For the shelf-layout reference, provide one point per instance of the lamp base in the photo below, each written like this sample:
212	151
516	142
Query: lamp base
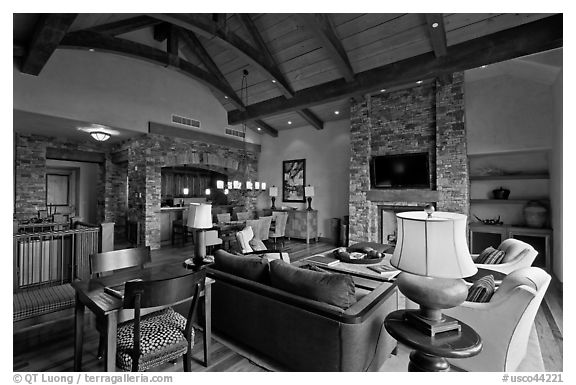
433	295
273	201
432	327
309	203
200	249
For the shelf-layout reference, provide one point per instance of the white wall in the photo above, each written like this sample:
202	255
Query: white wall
117	91
506	113
87	199
556	184
327	154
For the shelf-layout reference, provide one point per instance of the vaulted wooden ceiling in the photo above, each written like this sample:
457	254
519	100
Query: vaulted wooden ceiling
302	67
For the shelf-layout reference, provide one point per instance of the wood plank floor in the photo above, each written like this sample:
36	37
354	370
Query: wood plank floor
50	346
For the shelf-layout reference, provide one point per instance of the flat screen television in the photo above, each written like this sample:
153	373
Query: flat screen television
400	171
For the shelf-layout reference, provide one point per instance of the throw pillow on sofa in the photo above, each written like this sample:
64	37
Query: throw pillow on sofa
333	289
252	268
482	290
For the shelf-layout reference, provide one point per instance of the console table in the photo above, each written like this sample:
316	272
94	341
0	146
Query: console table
302	224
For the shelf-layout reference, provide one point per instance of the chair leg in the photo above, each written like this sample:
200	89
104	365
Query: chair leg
101	343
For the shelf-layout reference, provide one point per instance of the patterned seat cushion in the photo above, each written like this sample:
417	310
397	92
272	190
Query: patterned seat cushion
161	340
36	302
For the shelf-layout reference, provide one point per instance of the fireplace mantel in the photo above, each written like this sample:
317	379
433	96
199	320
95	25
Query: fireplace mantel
408	195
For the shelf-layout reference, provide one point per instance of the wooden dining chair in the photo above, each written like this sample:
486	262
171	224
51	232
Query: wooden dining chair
223	218
106	263
162	336
243	215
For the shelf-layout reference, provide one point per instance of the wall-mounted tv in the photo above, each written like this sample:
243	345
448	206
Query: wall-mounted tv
400	171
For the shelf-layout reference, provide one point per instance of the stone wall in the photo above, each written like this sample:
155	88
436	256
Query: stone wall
427	118
30	174
148	154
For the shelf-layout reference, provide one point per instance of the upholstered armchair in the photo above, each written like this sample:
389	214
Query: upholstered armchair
518	254
505	322
251	245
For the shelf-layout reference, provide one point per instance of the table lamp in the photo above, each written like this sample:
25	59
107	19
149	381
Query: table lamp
432	253
273	195
200	218
309	193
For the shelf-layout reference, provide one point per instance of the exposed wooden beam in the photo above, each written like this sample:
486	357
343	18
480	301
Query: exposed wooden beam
49	31
537	36
321	26
124	26
264	127
92	40
191	45
205	27
75	155
312	119
249	25
178	132
435	24
172	46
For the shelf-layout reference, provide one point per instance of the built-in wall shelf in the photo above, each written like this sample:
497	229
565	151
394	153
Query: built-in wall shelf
506	201
510	177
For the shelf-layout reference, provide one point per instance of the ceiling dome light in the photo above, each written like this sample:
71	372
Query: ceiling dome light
289	122
336	112
419	82
434	25
100	136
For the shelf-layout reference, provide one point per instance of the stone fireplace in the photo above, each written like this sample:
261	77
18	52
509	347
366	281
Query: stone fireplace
427	118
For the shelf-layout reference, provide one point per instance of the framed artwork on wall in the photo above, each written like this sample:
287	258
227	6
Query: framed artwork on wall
293	180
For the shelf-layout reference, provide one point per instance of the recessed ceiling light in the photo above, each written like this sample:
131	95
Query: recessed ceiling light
259	129
483	67
273	80
434	25
419	82
225	97
91	50
336	112
289	122
383	90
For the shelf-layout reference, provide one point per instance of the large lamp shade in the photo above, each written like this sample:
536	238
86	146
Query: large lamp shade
200	216
433	246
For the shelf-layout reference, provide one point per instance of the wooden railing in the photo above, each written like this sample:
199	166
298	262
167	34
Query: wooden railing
53	258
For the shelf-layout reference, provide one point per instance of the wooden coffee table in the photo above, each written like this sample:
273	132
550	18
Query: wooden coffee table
362	275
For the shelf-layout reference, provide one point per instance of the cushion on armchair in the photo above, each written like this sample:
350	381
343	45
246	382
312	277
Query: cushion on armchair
334	289
482	290
490	256
243	237
257	244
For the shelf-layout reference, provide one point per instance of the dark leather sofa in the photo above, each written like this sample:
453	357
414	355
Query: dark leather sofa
300	334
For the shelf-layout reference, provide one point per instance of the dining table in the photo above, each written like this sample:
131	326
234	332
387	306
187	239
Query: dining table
91	294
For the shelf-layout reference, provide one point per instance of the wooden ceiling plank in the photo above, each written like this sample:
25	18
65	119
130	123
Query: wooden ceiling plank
124	26
322	28
48	33
537	36
203	27
437	31
311	118
270	61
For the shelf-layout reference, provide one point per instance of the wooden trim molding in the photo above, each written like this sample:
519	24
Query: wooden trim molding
75	155
177	132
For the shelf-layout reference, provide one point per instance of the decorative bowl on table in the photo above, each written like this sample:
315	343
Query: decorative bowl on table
365	256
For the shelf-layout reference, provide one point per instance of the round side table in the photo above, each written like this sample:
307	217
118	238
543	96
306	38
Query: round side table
430	353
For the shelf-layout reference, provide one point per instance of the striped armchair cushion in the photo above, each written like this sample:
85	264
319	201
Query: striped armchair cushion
490	256
482	290
36	302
